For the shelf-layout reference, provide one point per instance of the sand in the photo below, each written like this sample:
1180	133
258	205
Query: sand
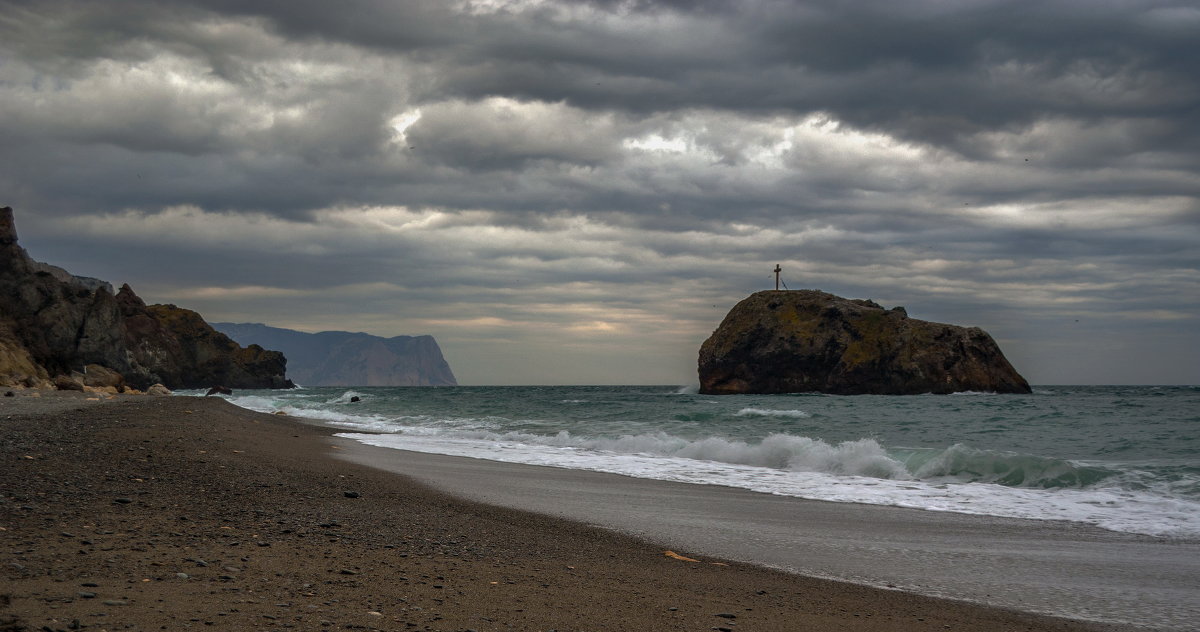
1053	567
175	513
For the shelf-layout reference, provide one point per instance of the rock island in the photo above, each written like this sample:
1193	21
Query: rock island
801	341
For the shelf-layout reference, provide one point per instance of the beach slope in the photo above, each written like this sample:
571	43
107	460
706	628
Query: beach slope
174	513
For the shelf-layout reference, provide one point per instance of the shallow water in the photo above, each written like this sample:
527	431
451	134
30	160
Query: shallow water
1126	459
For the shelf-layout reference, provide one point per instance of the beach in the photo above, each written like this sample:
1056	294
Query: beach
172	513
1048	566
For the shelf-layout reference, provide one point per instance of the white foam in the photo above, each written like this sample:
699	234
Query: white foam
766	412
346	398
1113	509
261	403
957	478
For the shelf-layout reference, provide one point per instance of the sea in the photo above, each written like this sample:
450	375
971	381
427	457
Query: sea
1123	458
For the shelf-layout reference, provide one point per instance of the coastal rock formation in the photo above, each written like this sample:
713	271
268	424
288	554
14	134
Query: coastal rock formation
54	324
341	358
811	341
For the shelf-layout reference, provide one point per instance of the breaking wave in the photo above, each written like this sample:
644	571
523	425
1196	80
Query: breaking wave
346	398
765	412
835	449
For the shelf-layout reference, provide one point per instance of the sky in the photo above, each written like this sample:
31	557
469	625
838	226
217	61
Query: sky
577	192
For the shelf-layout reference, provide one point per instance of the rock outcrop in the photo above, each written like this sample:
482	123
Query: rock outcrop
341	358
811	341
55	324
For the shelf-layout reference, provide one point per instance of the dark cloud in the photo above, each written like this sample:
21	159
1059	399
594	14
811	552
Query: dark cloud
599	174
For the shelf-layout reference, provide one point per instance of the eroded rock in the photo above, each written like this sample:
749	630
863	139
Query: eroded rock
53	324
811	341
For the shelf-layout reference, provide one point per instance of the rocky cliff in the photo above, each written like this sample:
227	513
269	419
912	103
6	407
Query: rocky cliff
341	358
810	341
55	324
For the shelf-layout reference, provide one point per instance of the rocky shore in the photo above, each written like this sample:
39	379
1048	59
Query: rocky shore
141	512
59	330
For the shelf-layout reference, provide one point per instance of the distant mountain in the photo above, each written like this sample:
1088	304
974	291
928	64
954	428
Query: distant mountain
342	358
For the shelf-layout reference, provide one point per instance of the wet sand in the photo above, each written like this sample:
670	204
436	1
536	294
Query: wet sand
180	513
1052	567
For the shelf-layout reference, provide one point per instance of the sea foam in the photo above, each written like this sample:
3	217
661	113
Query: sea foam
1115	509
766	412
835	448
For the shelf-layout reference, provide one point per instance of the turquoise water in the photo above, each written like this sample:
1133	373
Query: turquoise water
1123	458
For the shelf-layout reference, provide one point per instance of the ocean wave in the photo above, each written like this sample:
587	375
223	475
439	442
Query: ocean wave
851	480
965	464
1069	455
260	403
779	451
765	412
863	457
347	397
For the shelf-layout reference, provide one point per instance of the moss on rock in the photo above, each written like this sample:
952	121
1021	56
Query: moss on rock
813	341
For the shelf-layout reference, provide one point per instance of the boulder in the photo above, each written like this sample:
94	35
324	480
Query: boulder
67	383
99	376
811	341
158	389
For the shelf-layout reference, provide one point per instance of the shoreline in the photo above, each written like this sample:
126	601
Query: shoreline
1067	569
143	512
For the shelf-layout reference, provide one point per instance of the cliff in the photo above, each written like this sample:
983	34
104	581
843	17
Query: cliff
341	358
54	324
811	341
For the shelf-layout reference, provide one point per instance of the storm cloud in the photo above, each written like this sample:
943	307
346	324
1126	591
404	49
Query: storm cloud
578	191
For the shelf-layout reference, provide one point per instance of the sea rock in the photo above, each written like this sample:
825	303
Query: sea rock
53	323
158	389
219	390
342	358
811	341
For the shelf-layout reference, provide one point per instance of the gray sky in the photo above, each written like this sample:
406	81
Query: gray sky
577	192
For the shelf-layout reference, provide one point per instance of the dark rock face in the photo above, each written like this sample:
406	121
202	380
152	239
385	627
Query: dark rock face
53	323
811	341
175	347
341	358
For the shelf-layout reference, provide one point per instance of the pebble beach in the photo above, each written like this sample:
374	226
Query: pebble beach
167	513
